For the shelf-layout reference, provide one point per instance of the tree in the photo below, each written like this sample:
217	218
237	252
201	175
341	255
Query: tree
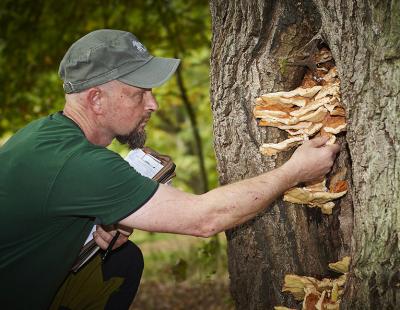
257	47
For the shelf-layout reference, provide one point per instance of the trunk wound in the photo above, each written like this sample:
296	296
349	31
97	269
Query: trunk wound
313	109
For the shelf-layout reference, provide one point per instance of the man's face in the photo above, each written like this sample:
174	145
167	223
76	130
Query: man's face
131	110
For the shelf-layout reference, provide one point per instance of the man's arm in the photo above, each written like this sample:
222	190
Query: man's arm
171	210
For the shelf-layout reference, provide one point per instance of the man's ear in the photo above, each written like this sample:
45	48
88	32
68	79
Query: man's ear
95	99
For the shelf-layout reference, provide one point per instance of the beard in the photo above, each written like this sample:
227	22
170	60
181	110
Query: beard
135	139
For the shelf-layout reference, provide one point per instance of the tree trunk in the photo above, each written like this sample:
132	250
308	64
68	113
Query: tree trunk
253	43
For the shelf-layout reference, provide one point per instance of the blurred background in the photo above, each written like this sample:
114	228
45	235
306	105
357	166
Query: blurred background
180	272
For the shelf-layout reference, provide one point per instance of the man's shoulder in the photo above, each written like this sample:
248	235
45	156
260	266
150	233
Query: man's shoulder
92	157
48	129
55	141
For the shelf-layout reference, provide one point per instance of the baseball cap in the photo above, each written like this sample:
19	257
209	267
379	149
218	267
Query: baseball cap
105	55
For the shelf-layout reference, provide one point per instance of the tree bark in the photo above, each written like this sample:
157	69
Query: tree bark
253	43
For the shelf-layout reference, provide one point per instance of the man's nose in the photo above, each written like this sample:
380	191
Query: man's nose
151	102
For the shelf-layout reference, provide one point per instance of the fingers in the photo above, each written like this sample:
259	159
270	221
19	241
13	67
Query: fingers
331	152
313	159
103	244
103	238
334	148
104	234
126	231
318	141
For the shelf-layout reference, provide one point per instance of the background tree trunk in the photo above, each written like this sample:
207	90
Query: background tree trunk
253	43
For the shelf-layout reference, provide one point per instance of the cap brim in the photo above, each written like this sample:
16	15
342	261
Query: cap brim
152	74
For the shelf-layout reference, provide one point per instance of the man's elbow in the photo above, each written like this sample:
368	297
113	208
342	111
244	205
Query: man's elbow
208	229
209	221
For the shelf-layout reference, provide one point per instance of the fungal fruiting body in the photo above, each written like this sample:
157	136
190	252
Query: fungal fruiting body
310	110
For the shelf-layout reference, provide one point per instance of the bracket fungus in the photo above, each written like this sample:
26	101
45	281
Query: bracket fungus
312	109
341	266
322	294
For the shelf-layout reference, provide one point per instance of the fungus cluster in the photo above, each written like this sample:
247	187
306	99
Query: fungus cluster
322	294
312	109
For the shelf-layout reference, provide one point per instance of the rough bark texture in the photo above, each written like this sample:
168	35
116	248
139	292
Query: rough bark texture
365	40
253	49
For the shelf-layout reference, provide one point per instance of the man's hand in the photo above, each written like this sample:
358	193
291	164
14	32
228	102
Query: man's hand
104	234
313	160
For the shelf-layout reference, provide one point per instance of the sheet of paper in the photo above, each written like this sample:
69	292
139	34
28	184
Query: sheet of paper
144	163
90	237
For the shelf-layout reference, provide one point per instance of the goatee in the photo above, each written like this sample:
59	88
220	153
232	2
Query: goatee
136	139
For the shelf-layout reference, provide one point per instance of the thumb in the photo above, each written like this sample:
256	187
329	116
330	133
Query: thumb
318	141
126	231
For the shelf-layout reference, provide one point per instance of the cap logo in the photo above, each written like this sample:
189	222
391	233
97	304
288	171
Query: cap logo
139	46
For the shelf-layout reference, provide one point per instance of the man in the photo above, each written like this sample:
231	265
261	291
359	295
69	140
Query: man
58	178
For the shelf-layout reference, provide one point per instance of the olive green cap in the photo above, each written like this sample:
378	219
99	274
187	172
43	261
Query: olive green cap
105	55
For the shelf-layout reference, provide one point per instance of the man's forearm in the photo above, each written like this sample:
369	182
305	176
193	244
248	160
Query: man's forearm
171	210
237	203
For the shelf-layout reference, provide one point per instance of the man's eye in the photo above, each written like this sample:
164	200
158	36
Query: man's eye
135	97
138	96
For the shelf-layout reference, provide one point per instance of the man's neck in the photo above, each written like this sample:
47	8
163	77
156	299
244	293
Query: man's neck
92	131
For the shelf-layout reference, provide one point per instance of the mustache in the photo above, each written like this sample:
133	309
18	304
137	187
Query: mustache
147	117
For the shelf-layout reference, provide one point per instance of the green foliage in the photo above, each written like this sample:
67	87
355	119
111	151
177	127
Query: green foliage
180	270
172	258
34	35
210	253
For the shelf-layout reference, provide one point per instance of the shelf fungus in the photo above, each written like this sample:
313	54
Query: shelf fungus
312	109
322	294
341	266
317	195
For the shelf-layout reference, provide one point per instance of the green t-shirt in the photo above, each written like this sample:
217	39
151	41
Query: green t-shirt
54	184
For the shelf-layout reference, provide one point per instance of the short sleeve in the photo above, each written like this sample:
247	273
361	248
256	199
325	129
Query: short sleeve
98	183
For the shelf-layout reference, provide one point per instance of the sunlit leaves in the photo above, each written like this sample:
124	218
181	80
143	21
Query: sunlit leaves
34	35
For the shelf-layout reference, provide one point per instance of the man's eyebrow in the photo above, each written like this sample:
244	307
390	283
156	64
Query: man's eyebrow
130	92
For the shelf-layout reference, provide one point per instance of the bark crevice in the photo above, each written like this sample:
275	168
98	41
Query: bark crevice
252	40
